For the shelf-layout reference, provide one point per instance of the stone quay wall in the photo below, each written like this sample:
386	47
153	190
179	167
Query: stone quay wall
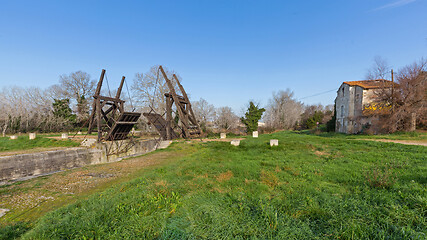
24	166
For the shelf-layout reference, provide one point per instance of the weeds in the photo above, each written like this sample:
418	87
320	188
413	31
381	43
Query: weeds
13	231
381	176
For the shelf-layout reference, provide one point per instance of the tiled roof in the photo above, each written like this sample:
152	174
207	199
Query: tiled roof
370	84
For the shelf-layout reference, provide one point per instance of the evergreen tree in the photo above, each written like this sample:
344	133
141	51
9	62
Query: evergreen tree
312	121
330	125
61	109
252	116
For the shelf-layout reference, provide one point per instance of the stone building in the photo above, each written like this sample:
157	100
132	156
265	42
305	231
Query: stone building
356	104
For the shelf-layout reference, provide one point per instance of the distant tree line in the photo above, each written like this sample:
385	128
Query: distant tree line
66	105
57	108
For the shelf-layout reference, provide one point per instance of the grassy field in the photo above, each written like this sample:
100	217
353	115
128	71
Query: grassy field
309	187
24	143
416	136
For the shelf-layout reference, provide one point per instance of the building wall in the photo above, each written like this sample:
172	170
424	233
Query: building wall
368	95
343	107
350	103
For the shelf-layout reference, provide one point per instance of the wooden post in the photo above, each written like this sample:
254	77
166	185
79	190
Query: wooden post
94	105
392	90
168	118
413	123
117	105
98	118
119	91
176	100
189	108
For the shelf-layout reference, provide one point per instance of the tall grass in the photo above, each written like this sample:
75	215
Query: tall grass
309	187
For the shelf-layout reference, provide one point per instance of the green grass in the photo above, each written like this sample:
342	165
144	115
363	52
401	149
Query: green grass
14	231
417	136
309	187
24	143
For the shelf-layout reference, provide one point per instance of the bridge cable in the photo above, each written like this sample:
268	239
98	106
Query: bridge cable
130	99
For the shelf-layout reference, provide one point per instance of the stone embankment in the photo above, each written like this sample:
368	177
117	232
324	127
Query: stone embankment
24	166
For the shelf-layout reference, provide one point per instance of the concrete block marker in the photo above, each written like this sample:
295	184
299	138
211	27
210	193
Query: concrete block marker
79	133
88	142
223	135
235	142
164	144
13	137
274	142
3	211
64	136
255	134
32	136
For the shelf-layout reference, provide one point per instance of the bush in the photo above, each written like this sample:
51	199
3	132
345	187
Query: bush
312	121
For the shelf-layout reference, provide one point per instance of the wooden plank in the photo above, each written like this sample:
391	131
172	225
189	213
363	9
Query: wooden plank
161	125
127	123
110	99
121	127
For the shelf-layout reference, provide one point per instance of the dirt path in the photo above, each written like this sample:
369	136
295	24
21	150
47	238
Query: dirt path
218	139
30	199
406	142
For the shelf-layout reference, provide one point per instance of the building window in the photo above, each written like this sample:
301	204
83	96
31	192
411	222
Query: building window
342	111
342	91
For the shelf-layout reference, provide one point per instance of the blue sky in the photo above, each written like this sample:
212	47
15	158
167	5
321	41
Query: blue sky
227	52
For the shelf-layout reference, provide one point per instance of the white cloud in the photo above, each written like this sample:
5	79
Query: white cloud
395	4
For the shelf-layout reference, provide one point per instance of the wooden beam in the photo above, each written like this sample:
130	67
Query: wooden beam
176	99
98	119
127	123
184	94
97	92
110	99
168	118
119	90
107	120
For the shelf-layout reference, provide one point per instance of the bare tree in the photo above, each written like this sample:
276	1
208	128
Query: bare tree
24	109
5	110
309	110
407	101
283	110
79	86
379	70
56	92
149	89
226	119
204	112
